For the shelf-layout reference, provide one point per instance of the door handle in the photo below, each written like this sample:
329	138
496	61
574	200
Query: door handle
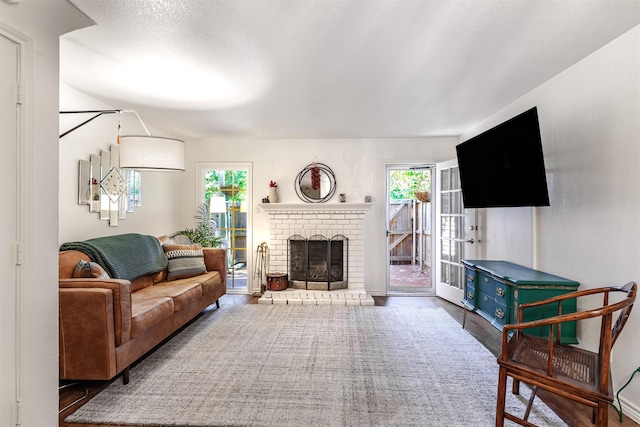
460	240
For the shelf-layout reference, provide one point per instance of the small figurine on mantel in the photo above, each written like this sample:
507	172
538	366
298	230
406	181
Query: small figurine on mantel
273	192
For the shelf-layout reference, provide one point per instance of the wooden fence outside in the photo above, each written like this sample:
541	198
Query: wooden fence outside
410	233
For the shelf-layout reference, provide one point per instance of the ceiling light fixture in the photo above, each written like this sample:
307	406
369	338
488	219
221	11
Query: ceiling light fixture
141	152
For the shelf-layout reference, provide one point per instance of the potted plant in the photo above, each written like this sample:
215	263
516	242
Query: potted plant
204	232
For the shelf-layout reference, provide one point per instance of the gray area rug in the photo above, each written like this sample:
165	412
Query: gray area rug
259	365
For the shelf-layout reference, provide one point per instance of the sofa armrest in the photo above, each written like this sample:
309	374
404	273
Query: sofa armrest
121	305
86	335
216	260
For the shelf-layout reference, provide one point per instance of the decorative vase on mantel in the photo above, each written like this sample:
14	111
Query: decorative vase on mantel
273	194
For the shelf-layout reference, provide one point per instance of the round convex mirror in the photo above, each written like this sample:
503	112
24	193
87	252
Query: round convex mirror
316	183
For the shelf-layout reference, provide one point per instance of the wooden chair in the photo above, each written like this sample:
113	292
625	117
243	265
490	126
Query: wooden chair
568	371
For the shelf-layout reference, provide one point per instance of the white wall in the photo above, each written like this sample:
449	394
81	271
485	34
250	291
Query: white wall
359	166
159	211
591	128
39	24
590	124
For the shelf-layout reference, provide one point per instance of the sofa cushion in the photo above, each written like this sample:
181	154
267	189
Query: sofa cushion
209	281
182	291
88	269
184	261
148	311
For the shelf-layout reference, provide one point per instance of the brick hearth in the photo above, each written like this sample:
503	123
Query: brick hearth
299	297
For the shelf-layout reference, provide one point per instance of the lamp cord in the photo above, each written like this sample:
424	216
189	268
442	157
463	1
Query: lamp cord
619	407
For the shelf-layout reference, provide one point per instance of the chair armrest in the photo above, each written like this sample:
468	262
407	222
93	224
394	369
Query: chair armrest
575	294
555	320
121	305
215	259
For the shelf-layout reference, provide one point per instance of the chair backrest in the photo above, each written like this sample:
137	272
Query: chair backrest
630	289
609	333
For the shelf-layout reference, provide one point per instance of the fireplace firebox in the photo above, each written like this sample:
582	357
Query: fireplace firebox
318	262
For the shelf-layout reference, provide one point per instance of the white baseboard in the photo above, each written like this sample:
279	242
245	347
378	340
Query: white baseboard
629	409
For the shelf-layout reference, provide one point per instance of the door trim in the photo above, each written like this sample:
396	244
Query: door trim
13	306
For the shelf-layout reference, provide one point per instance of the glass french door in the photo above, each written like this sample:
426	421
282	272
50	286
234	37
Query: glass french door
456	232
224	187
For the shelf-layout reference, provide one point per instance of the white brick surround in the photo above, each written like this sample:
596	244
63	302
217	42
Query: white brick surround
327	219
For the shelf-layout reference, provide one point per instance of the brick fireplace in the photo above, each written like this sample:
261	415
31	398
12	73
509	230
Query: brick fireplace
312	219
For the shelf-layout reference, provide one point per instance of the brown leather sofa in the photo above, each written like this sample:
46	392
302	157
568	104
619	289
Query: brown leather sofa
107	324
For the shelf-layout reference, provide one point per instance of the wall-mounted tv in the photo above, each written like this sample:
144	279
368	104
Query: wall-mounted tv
504	166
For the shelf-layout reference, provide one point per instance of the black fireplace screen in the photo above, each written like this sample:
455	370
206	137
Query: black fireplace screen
318	260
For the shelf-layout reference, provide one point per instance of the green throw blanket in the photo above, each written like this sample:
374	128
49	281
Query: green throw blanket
125	256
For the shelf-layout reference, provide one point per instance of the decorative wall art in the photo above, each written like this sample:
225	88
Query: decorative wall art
102	185
316	183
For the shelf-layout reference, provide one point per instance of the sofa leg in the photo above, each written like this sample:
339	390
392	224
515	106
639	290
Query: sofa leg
125	376
217	303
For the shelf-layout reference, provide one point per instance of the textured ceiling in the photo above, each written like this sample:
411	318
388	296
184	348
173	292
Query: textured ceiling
329	69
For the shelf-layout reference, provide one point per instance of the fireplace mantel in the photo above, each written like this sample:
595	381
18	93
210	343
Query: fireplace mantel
315	207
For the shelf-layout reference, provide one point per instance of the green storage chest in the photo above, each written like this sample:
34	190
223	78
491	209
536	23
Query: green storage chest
495	290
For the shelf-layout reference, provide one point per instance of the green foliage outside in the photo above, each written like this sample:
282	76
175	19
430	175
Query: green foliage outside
404	183
233	184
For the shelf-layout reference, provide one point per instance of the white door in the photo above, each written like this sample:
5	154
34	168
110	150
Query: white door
456	233
409	230
9	143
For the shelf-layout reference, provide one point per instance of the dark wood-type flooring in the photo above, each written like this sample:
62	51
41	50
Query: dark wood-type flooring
575	415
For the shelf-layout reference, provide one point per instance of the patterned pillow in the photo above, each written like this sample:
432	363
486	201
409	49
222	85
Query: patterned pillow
184	261
86	269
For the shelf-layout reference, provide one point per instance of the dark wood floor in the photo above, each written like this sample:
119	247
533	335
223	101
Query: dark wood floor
74	395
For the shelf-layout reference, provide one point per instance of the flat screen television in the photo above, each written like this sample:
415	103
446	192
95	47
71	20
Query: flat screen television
504	166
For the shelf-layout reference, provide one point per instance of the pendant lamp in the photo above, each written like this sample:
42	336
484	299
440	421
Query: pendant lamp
141	152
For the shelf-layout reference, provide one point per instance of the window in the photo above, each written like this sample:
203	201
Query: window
133	178
452	220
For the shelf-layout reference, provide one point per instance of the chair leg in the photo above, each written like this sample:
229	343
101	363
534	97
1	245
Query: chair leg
217	303
125	376
515	387
502	396
530	404
464	317
602	414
